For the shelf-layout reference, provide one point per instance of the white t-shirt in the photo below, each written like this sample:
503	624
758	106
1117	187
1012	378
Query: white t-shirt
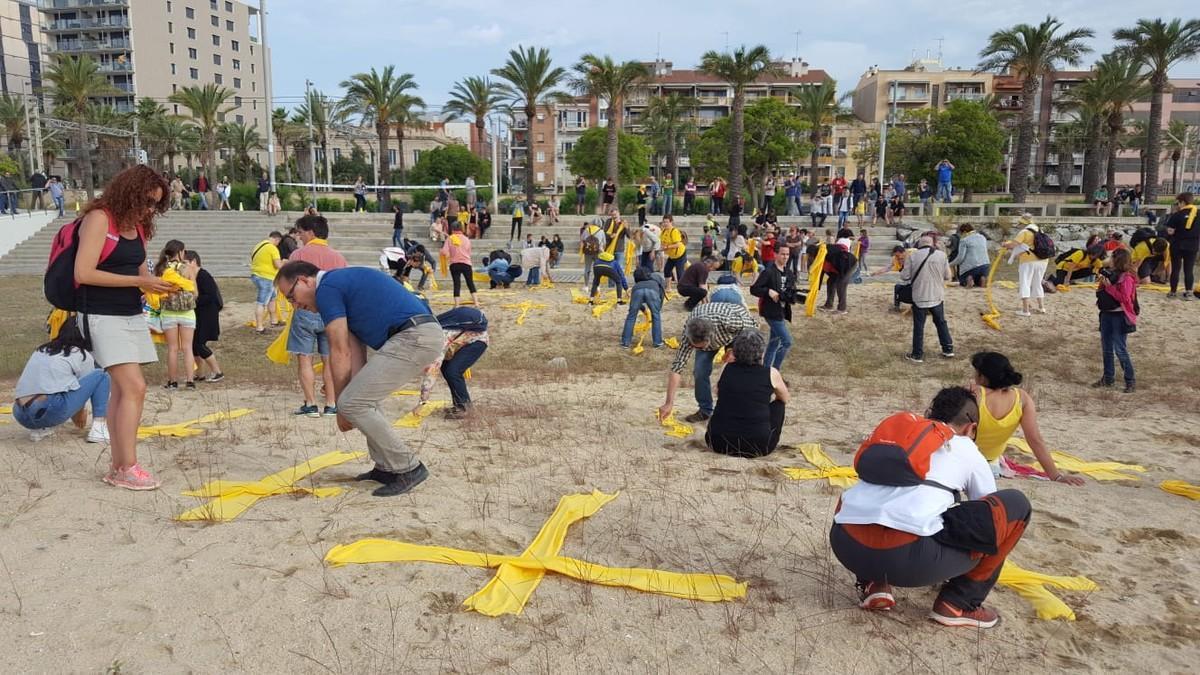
535	256
918	509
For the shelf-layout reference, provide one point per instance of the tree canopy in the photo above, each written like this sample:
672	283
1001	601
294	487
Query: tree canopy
455	162
964	132
774	133
588	157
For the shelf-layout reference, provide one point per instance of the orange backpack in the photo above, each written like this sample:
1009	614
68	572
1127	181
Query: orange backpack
898	451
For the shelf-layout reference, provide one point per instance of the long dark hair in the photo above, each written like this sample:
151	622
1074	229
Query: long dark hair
169	252
996	369
69	339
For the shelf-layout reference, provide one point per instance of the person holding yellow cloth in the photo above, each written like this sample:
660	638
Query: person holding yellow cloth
177	312
265	261
1031	269
1004	406
674	246
1078	264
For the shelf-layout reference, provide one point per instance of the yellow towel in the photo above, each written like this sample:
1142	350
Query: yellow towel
815	275
229	499
839	476
412	420
1097	470
406	392
1032	587
5	409
675	428
184	429
519	576
672	342
1178	487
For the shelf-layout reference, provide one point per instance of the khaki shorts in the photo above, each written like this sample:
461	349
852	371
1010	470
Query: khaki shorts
120	339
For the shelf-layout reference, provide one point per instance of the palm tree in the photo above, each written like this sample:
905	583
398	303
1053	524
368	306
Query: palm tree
206	104
1178	138
407	115
169	134
1066	140
820	107
530	80
113	153
74	81
284	132
325	114
1030	52
738	69
669	120
1129	84
375	97
147	110
612	82
1090	102
1158	45
241	141
474	97
12	118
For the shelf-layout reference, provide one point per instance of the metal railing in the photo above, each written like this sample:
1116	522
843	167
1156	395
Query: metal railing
79	4
964	95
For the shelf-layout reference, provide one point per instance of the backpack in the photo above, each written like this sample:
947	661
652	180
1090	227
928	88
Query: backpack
1043	245
1140	235
463	319
898	452
707	242
591	243
59	283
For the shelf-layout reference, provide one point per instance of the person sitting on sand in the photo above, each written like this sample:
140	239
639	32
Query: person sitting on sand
58	381
1003	406
1078	265
693	285
897	528
751	400
1152	260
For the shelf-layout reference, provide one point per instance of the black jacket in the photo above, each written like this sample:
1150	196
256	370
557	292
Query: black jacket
1184	239
38	180
773	279
208	307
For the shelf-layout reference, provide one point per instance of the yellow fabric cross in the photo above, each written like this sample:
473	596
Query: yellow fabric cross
1178	487
1032	587
525	308
815	273
184	429
675	428
840	476
518	576
412	420
230	499
991	318
1097	470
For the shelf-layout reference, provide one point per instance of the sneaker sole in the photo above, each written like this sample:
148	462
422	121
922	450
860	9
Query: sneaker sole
94	439
879	602
961	621
138	488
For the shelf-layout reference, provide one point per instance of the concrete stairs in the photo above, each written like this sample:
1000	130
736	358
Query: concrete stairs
225	239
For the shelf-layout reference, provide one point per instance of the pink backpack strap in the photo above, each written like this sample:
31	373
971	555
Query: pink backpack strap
113	237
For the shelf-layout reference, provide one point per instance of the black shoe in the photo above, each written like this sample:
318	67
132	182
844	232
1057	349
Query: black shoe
1130	388
1101	384
171	385
216	377
403	482
378	475
698	416
189	384
456	413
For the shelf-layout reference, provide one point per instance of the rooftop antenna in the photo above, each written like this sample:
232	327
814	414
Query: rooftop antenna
658	47
726	34
797	34
940	41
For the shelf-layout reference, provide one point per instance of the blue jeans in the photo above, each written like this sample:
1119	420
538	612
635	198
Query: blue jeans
938	312
535	276
650	299
618	262
58	202
398	238
668	203
778	345
1112	341
943	192
58	408
702	372
454	369
203	201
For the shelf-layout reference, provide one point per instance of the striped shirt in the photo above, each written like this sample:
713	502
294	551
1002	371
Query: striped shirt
728	319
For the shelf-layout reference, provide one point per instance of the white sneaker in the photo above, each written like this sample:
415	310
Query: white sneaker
36	435
98	433
1022	312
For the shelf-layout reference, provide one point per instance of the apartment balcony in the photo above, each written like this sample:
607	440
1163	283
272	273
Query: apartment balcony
76	25
82	4
1051	179
1009	104
520	124
964	96
706	122
84	46
573	128
639	98
1062	117
116	67
1076	159
715	100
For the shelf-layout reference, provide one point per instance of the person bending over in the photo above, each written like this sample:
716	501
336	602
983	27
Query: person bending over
751	399
648	291
606	266
694	283
466	340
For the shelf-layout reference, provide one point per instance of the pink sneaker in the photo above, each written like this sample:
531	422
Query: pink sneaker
133	478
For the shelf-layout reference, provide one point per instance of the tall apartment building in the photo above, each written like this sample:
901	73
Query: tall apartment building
151	49
533	140
21	60
925	84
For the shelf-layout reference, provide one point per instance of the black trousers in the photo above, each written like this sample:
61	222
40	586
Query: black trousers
748	443
460	271
1183	261
694	294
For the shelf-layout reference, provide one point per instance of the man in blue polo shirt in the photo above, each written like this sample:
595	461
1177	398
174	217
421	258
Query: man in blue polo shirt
364	308
945	177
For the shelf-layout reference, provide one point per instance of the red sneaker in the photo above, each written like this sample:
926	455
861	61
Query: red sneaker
949	615
876	595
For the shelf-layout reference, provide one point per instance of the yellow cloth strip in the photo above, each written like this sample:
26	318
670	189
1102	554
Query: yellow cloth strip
277	351
184	429
815	274
675	428
1178	487
406	392
5	409
1006	284
55	321
840	476
525	308
604	308
412	420
672	342
519	576
481	276
991	318
230	499
1097	470
1032	587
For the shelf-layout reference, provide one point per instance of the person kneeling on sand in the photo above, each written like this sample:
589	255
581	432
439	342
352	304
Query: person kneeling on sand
58	381
364	308
902	523
751	399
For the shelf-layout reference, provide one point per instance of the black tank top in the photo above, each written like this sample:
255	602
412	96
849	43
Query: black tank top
743	396
127	259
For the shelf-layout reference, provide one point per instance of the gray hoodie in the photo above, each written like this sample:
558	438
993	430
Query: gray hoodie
972	252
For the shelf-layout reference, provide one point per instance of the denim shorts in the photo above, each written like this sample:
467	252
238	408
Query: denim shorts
307	334
265	288
171	319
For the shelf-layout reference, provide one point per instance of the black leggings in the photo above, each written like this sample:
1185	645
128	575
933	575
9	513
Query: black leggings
200	347
737	445
460	271
515	228
1184	261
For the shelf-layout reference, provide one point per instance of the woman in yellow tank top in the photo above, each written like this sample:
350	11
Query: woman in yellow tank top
1004	406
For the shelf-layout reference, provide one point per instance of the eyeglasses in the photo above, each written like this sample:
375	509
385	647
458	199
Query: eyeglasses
290	291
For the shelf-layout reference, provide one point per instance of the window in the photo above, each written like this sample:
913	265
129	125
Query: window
190	13
217	78
213	4
172	68
191	33
168	6
337	154
239	119
176	106
252	86
216	59
540	157
541	176
229	25
228	6
175	88
170	27
237	65
216	40
392	156
416	157
171	47
541	138
251	67
541	116
216	21
237	101
192	53
237	83
233	44
193	73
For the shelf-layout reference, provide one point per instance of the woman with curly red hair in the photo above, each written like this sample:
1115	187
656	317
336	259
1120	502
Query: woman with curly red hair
111	305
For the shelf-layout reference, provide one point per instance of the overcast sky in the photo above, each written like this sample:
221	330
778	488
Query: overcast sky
441	42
